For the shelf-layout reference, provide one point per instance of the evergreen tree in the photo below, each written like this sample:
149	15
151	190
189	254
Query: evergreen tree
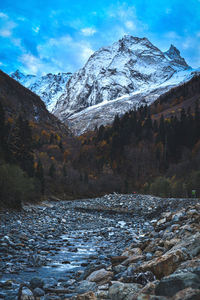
2	128
40	175
52	170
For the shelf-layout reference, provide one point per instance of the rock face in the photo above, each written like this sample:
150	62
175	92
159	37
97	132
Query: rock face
174	54
117	78
49	87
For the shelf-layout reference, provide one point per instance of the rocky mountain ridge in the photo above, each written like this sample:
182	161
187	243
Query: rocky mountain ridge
49	87
118	78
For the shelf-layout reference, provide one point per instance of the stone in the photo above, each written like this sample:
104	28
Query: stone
191	245
123	291
170	285
36	282
27	294
37	292
164	265
168	244
187	294
100	276
148	297
132	251
149	288
115	260
86	296
161	222
86	286
131	259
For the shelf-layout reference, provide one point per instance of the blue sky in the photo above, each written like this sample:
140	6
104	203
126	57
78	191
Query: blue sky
42	36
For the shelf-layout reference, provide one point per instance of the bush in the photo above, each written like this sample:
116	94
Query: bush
15	187
160	187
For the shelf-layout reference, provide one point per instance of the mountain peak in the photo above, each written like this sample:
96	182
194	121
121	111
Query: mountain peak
174	54
49	87
17	74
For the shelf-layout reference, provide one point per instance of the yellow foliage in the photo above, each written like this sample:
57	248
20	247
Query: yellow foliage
10	120
66	154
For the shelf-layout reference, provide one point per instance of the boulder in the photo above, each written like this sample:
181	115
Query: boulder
37	292
123	291
187	294
170	285
100	276
27	294
36	282
86	286
164	265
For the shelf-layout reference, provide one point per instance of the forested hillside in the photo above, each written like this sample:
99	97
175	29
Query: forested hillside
154	149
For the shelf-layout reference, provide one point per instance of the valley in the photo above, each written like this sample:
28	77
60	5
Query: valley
52	249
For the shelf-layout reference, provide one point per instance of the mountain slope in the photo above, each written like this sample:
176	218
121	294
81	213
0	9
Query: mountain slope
49	87
18	100
117	78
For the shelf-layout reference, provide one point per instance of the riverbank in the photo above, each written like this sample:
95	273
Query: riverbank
77	247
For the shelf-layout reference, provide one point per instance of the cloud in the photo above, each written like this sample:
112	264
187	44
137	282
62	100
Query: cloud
36	29
89	31
3	16
130	25
7	28
31	63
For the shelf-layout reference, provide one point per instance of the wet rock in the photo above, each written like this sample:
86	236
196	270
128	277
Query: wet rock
37	292
27	294
36	282
6	285
170	285
100	276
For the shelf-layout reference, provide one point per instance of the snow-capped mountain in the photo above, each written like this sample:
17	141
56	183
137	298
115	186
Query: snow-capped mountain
49	87
128	65
118	78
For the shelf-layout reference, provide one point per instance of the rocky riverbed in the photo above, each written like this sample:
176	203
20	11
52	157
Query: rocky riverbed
118	247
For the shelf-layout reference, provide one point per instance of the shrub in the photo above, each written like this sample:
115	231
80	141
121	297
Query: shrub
15	187
160	187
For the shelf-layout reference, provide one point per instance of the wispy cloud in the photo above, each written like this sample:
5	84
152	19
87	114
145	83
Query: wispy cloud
88	31
6	28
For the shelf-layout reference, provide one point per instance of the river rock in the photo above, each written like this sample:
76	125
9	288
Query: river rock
170	285
100	276
37	292
36	282
187	294
164	265
86	296
27	294
123	291
85	286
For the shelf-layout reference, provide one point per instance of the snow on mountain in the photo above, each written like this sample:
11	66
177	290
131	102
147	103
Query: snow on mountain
128	65
117	78
49	87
